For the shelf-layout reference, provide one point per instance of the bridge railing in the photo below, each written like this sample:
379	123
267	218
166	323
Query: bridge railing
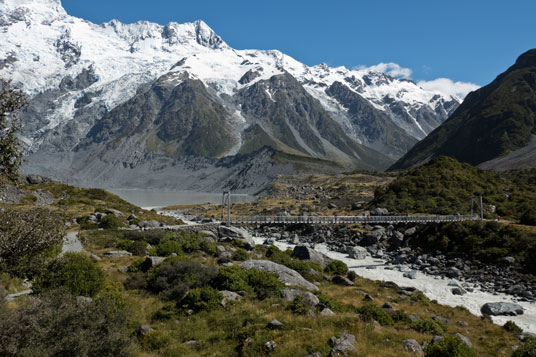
349	219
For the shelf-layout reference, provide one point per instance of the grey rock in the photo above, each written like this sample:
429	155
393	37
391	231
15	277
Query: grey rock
95	257
501	308
436	339
341	280
410	274
387	305
342	344
327	312
305	253
151	262
192	343
413	346
357	252
269	346
118	254
465	339
11	297
509	260
143	330
307	297
411	231
149	224
441	320
229	296
286	275
368	297
36	179
230	233
458	291
115	212
275	325
462	323
379	212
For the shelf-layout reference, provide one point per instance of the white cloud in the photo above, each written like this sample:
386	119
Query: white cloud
448	86
391	69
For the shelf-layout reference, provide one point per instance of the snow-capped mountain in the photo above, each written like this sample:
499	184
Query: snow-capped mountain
127	93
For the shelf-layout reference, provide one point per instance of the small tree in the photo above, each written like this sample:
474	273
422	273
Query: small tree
11	100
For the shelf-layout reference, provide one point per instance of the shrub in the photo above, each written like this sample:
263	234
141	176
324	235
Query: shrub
154	341
400	316
297	306
112	293
336	267
205	298
59	324
351	275
449	346
168	247
528	217
110	221
137	265
262	284
173	278
76	272
28	239
511	326
528	349
427	325
135	281
240	255
371	312
184	243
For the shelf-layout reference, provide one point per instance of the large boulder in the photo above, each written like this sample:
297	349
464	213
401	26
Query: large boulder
413	346
340	345
305	253
230	233
501	308
286	275
357	252
307	298
341	280
118	254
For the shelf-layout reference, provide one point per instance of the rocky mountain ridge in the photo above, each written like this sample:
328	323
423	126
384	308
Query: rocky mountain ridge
92	86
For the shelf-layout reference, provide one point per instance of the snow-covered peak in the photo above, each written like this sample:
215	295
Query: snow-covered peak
31	10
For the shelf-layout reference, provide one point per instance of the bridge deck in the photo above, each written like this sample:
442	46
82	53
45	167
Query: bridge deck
348	219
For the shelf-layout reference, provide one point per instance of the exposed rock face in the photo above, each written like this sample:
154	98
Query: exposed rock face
501	308
286	275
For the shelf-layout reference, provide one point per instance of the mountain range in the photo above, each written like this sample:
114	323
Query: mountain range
494	127
173	106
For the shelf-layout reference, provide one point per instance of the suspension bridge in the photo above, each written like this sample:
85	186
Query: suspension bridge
363	219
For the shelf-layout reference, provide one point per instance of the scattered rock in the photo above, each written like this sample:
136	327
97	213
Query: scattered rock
151	262
387	305
307	297
17	295
413	346
118	254
341	280
229	296
327	312
305	253
458	291
270	346
286	275
368	297
275	325
149	224
357	252
501	308
441	320
95	257
115	212
192	343
342	344
230	233
143	330
410	274
465	339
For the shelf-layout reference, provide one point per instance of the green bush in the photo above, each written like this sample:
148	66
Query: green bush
427	325
28	239
76	272
184	243
511	326
136	281
400	316
154	341
205	298
262	284
371	312
137	265
110	221
449	346
527	349
528	217
336	267
112	293
352	275
59	324
240	255
173	278
298	307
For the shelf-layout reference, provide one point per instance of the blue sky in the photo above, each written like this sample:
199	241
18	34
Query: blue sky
468	41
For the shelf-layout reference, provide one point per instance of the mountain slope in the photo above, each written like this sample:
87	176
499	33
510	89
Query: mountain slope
491	122
98	90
